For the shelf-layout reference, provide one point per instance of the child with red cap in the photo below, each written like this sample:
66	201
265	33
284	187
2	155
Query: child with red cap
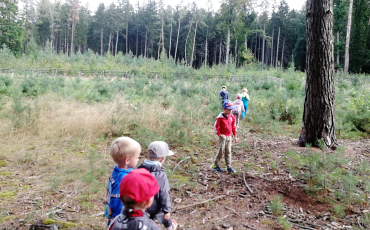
137	190
225	128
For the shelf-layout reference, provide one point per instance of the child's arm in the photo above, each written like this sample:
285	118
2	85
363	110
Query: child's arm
164	194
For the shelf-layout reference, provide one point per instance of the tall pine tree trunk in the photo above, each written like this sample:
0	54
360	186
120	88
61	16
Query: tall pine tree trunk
282	55
263	45
338	49
169	46
127	36
227	44
272	48
219	57
177	40
110	39
318	114
348	36
115	53
192	49
101	42
277	49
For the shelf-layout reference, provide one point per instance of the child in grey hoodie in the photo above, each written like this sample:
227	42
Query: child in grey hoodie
161	207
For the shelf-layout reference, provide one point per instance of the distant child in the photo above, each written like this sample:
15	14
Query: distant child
225	128
245	100
161	207
125	152
223	95
239	108
137	192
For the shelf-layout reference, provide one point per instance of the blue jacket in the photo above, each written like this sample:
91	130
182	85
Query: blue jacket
114	204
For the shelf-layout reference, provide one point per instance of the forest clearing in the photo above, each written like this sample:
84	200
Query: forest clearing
56	130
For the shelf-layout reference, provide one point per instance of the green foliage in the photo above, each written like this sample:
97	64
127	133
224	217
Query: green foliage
276	205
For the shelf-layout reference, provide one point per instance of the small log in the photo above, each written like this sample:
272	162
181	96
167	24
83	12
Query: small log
250	227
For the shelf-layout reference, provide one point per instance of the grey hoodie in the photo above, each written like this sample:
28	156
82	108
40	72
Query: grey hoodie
162	202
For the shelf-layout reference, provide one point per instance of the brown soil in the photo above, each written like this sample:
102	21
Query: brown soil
210	200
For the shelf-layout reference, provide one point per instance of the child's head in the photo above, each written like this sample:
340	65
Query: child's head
223	87
245	90
228	107
158	150
125	150
137	189
238	96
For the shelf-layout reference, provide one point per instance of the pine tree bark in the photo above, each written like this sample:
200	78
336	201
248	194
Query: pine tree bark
318	114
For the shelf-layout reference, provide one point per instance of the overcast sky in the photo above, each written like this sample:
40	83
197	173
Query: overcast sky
93	4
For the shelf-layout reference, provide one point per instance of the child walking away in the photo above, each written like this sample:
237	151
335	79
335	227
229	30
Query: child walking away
245	100
125	153
161	207
223	95
137	192
239	108
225	128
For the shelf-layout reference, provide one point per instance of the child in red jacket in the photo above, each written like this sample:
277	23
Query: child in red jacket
225	129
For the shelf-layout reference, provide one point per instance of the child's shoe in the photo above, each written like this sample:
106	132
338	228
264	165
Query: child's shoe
174	225
216	168
231	170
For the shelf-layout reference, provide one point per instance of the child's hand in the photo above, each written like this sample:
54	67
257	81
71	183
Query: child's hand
167	216
236	140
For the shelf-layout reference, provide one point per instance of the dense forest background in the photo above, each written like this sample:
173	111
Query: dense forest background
240	32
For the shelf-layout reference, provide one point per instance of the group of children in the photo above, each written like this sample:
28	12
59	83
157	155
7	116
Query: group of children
136	197
226	126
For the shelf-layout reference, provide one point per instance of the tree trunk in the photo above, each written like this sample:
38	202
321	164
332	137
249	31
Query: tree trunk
137	43
186	43
219	57
177	40
263	45
169	47
318	114
101	41
146	41
272	48
236	52
192	49
127	37
110	39
206	50
115	53
348	36
338	49
282	55
277	49
227	45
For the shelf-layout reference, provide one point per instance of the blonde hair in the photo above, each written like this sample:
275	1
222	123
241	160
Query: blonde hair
245	90
124	147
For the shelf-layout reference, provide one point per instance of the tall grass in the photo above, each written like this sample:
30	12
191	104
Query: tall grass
46	122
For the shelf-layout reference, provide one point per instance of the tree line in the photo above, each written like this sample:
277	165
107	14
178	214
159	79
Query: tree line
240	32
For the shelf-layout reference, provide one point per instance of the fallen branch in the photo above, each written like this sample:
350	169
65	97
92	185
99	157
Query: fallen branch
179	163
293	222
191	205
250	227
250	190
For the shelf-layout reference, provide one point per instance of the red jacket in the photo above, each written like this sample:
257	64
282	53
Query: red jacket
225	126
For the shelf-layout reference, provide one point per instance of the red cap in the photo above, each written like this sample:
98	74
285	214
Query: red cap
139	184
